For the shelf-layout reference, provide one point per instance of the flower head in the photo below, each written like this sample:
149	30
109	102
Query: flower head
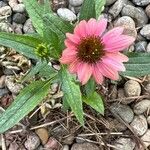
91	52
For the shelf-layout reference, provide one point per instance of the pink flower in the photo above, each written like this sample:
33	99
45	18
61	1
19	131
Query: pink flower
90	52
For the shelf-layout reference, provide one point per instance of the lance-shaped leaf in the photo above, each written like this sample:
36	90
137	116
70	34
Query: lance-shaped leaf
72	94
23	44
138	65
24	103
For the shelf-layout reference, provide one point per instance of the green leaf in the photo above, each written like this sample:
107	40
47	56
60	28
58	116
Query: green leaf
99	6
138	65
24	44
87	10
95	101
24	103
36	12
90	87
72	94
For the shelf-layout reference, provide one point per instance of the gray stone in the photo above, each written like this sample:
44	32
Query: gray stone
147	88
56	4
5	27
5	11
146	138
123	111
2	4
109	2
128	24
19	18
19	8
12	3
66	14
147	10
17	28
145	31
84	146
141	2
141	46
136	13
132	88
148	48
3	92
148	120
2	81
65	147
75	2
32	142
76	10
141	107
116	8
124	144
139	124
28	27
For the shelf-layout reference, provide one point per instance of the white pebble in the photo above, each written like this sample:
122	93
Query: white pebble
75	2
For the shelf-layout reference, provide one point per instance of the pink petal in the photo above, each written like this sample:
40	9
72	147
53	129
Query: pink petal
80	29
113	64
118	43
70	44
84	72
73	38
117	56
91	26
97	75
112	33
108	72
74	66
101	27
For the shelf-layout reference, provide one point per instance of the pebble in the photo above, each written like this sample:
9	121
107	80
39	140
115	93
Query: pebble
75	10
19	8
147	10
148	48
13	87
17	28
132	88
146	138
128	24
141	2
51	144
28	27
136	13
19	18
65	147
2	81
116	8
148	120
5	11
13	146
141	46
3	92
75	3
84	146
66	14
109	2
43	135
2	4
56	4
139	124
123	111
124	144
32	142
145	31
69	140
141	107
12	3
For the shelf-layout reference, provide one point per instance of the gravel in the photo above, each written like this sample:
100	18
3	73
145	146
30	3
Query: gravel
75	3
141	46
141	2
145	31
84	146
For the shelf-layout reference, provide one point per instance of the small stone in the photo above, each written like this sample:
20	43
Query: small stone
12	3
113	92
52	144
139	124
124	144
2	81
43	135
75	10
136	13
13	87
32	142
116	8
146	138
17	28
109	2
3	92
5	27
65	147
66	14
145	31
148	120
141	107
28	27
75	2
84	146
5	11
123	111
68	140
56	4
141	46
141	2
132	88
147	10
148	48
13	146
2	4
19	18
128	24
19	8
